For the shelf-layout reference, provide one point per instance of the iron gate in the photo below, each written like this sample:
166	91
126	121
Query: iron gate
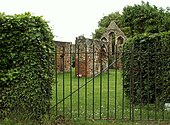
97	90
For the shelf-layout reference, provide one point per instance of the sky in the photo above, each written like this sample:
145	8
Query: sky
71	18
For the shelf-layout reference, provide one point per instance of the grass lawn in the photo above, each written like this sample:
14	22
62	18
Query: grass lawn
108	112
108	102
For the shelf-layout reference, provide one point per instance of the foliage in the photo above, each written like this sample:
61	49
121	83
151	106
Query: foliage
145	18
105	21
73	59
141	19
137	19
146	63
25	43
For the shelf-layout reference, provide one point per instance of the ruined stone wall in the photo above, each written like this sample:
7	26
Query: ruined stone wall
62	56
83	66
84	46
119	40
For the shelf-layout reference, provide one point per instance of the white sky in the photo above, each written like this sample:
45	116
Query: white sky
71	18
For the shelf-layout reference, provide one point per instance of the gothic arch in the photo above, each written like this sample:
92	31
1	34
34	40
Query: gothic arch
111	30
120	40
103	39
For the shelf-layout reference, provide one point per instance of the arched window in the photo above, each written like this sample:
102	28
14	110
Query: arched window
112	41
104	39
120	40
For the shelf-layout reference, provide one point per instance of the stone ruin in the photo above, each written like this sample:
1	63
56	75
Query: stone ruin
90	54
62	56
120	37
102	47
111	30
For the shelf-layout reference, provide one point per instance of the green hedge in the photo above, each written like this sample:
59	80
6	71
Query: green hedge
146	63
25	41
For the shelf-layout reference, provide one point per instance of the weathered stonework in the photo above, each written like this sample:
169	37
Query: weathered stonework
63	56
83	63
102	48
87	65
119	40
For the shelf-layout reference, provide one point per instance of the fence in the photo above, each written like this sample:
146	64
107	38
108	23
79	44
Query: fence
96	87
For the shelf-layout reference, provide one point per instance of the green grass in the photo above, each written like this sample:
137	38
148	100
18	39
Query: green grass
110	114
75	120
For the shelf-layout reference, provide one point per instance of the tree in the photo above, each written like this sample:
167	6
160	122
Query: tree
143	21
145	18
137	19
105	21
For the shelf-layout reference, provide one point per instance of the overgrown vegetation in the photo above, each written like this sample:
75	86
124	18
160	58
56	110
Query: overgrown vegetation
139	22
146	58
25	43
137	19
26	69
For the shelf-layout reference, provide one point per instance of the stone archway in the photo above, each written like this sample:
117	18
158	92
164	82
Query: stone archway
120	37
103	39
